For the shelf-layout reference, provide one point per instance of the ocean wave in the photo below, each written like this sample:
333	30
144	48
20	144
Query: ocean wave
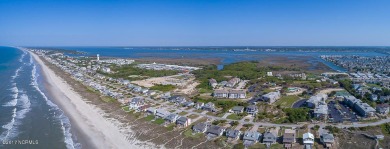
23	103
23	55
59	114
15	93
17	73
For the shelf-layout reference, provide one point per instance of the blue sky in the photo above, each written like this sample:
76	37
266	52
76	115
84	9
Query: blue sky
195	23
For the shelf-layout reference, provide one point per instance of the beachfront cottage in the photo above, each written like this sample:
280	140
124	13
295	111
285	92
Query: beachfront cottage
183	121
221	94
161	113
252	110
251	137
308	140
327	140
271	97
215	130
288	138
237	94
269	138
136	103
233	134
171	118
200	128
237	109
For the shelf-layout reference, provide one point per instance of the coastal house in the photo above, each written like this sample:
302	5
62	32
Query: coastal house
251	137
237	94
143	108
200	128
221	94
199	105
237	109
252	110
151	110
151	93
188	104
209	107
136	103
213	83
166	96
383	108
161	113
308	140
269	138
232	82
288	138
183	121
327	139
215	130
271	97
233	134
171	118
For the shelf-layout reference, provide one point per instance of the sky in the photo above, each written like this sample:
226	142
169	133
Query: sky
195	23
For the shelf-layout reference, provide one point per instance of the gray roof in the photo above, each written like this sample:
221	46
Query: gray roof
221	92
182	120
172	117
251	107
200	126
327	138
238	108
269	137
288	137
251	136
214	129
231	133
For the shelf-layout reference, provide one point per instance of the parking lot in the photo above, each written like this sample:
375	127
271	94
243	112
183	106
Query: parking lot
339	113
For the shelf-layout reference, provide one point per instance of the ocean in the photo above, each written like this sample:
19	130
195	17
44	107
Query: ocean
28	118
226	56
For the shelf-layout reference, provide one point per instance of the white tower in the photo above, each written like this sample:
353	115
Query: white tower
97	56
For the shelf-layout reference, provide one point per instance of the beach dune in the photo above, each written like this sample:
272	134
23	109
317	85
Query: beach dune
91	128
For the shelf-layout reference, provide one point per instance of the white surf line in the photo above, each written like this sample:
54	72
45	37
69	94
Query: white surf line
64	121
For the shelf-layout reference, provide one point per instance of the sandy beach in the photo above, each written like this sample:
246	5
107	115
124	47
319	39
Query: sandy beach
90	127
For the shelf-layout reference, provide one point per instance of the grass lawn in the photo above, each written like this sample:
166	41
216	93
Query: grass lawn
287	101
107	99
163	88
172	111
159	121
193	116
171	126
188	133
276	146
183	113
233	117
149	117
198	111
257	146
126	109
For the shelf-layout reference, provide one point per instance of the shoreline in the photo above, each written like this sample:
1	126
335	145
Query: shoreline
91	129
